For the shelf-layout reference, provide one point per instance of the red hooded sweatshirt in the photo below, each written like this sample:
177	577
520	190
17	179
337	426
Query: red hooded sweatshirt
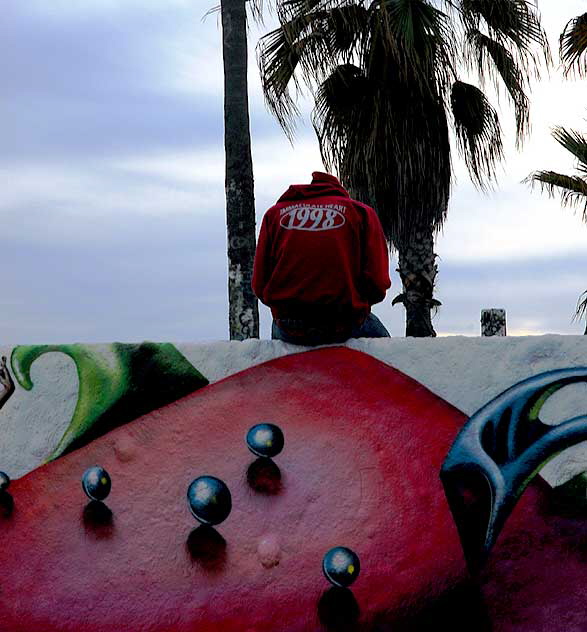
321	254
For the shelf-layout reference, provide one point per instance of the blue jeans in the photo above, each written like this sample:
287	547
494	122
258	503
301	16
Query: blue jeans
371	327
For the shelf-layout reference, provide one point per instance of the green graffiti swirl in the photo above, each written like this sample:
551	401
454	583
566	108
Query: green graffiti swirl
141	378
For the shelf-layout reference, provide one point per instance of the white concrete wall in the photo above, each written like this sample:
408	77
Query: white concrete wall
465	371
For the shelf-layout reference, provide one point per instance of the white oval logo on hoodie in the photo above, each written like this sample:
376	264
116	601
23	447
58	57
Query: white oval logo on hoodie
312	217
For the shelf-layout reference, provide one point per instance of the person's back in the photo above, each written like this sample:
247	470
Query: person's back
321	263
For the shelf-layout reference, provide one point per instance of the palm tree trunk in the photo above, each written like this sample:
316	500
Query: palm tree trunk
240	201
417	269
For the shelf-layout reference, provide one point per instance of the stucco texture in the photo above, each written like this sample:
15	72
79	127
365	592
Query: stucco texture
466	372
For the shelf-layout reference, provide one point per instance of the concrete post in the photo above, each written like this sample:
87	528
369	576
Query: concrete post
493	322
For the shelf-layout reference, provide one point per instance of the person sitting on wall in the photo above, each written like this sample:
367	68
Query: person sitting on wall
321	263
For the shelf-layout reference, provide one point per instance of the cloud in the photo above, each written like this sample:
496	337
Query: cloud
107	82
515	223
539	294
138	278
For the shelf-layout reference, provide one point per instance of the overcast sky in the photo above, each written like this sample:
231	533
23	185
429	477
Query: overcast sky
112	218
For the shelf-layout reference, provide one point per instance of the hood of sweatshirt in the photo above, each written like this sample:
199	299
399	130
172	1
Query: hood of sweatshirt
322	185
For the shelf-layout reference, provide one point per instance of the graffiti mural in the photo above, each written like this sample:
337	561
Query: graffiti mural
135	380
497	454
192	524
6	382
56	398
349	478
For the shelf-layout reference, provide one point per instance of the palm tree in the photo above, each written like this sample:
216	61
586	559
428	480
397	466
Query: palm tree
387	80
572	189
240	201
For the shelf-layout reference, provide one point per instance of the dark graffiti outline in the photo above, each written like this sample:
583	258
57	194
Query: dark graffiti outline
6	382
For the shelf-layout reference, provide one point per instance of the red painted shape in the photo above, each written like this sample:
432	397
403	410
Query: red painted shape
363	447
537	574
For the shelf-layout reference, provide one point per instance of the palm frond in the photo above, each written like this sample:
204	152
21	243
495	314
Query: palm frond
478	132
511	22
341	103
573	46
341	23
277	60
257	8
575	143
211	11
339	100
581	310
313	43
494	59
572	189
288	10
418	40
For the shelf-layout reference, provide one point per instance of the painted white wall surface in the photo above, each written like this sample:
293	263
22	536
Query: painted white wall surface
465	371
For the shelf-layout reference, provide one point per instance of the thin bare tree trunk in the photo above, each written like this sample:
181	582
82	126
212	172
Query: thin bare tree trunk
240	201
417	269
